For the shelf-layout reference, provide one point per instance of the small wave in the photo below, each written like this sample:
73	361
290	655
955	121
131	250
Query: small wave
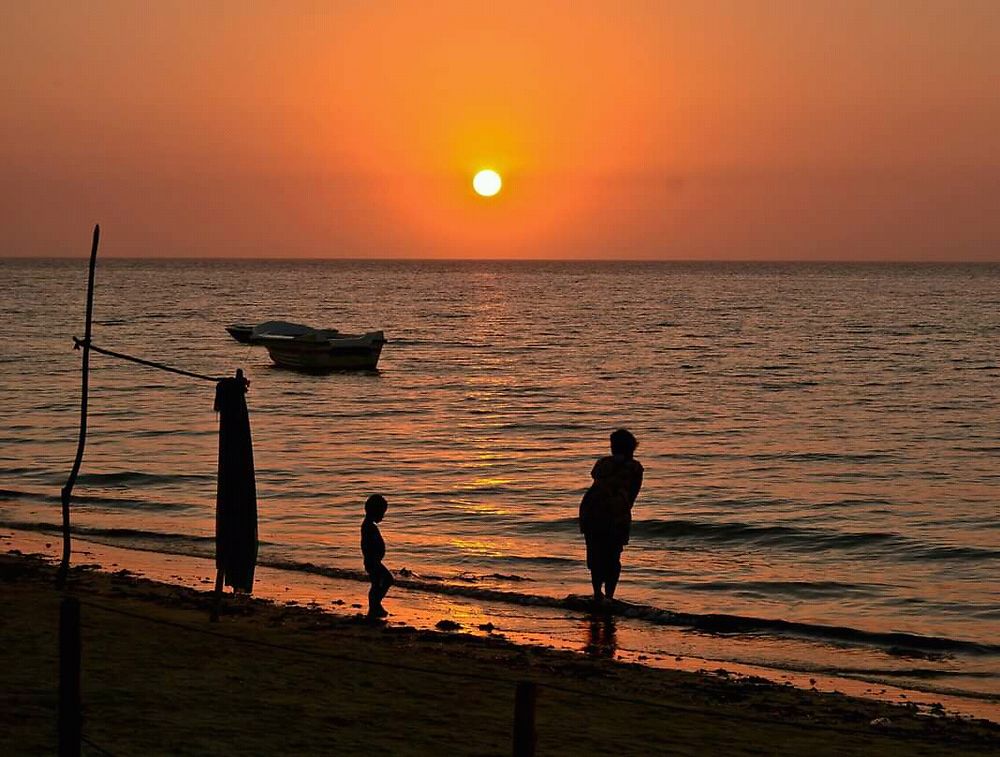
19	472
540	559
787	386
172	433
124	534
821	457
896	642
923	673
469	577
869	503
95	500
8	494
797	589
137	478
127	503
789	537
796	457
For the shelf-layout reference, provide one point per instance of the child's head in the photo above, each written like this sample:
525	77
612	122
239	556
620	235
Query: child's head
375	507
623	443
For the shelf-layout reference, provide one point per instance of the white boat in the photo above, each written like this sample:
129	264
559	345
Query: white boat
293	345
246	333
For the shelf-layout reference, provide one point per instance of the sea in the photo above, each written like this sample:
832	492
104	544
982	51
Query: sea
821	442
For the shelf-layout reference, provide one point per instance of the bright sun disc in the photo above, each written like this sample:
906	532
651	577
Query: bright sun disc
487	182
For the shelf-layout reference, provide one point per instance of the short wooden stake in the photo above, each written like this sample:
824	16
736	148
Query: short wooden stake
69	678
524	719
217	599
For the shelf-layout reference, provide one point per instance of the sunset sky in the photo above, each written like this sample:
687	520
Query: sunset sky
847	129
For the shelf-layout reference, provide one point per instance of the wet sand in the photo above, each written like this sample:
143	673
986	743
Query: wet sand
273	677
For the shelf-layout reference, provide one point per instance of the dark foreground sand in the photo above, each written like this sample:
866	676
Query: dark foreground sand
269	679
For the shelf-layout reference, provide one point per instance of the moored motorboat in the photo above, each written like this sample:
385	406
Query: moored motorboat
293	345
316	352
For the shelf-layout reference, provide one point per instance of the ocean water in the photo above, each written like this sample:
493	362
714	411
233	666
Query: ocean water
821	442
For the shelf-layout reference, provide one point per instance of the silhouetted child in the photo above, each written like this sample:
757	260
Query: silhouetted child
373	551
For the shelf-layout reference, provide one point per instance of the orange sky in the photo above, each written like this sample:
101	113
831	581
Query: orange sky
848	129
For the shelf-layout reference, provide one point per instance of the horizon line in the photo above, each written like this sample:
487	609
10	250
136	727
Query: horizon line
304	259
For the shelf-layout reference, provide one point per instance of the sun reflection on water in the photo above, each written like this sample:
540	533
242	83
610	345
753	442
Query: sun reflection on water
480	508
479	547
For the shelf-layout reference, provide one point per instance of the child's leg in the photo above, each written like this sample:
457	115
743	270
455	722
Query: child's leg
375	594
385	580
381	580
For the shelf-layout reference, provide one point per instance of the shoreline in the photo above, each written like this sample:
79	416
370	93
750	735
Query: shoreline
157	677
899	643
622	639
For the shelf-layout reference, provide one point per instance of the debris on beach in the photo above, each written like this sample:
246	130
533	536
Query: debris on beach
508	577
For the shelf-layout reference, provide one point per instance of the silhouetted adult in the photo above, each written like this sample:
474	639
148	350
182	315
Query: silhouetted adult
606	512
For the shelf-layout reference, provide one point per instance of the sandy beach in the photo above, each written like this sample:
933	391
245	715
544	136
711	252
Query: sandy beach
281	678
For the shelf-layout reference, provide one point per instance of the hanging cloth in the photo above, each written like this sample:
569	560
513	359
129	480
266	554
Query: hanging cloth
236	496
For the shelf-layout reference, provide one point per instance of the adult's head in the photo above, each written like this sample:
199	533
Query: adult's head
623	443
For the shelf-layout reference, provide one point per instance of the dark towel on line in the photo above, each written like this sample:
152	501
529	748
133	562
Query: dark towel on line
236	496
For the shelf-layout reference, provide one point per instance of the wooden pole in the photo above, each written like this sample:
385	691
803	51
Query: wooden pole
67	490
69	678
525	697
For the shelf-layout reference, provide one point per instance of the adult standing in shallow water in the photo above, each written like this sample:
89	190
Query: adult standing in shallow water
606	512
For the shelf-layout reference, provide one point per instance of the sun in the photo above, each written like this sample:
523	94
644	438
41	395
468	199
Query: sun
487	182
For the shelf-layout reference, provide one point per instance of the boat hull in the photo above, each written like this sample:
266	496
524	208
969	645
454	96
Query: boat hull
345	354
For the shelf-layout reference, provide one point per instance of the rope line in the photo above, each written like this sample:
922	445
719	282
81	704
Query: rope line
148	363
299	650
96	747
732	716
495	679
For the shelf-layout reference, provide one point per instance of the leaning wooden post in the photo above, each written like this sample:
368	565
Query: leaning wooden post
524	719
67	490
69	678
